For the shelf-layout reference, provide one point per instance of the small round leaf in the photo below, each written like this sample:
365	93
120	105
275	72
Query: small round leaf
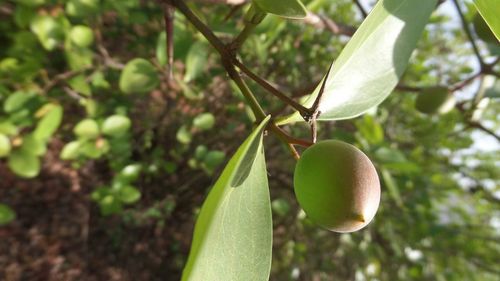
5	145
81	36
116	125
138	76
87	129
204	121
24	164
6	214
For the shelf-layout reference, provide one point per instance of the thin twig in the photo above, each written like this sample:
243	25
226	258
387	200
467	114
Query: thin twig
361	8
460	85
62	77
481	127
253	17
228	62
469	33
169	11
270	88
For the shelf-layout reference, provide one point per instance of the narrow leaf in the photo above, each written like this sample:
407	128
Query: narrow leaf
370	65
233	233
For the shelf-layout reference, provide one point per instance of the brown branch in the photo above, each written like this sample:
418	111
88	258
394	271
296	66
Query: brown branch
169	32
62	77
469	33
481	127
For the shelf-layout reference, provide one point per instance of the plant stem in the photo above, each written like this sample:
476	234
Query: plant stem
228	62
267	86
253	17
286	137
169	11
200	26
361	9
254	104
469	33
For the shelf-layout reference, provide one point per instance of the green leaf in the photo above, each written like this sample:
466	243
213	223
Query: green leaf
33	145
81	36
200	152
370	65
49	30
82	8
94	149
87	129
116	125
233	233
293	9
24	164
16	101
130	172
100	193
6	214
370	129
489	10
196	61
161	49
49	123
204	121
129	194
280	206
138	76
5	145
110	205
213	159
31	3
78	58
183	135
70	151
80	85
392	187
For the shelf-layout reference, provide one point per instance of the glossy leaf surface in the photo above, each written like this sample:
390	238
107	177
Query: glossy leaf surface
489	10
370	65
233	233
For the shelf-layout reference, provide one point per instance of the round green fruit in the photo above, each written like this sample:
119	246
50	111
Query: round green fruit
435	100
81	36
337	186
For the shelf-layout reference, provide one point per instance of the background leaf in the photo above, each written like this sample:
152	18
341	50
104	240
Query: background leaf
49	123
6	214
196	61
24	164
285	8
369	67
233	233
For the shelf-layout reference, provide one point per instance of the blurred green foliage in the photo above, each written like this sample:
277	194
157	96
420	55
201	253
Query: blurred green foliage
92	75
